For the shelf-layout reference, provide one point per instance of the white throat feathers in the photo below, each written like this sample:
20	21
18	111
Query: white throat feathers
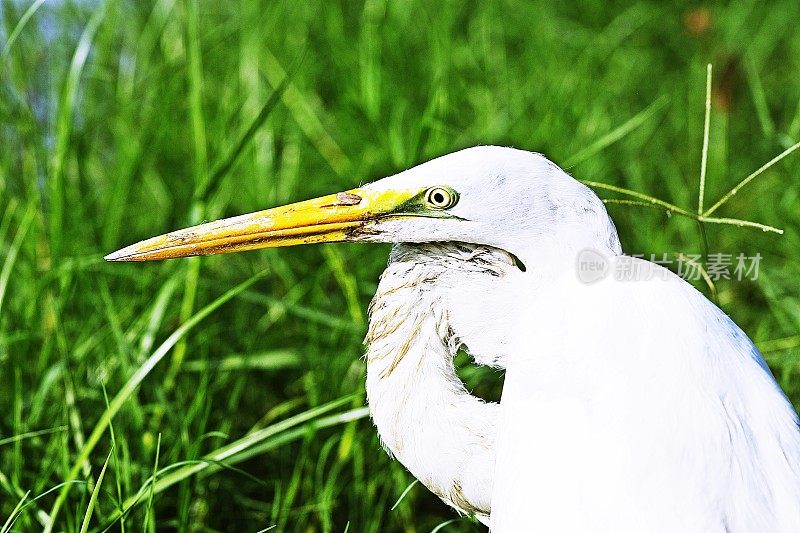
424	415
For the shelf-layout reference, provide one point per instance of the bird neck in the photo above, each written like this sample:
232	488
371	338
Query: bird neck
424	415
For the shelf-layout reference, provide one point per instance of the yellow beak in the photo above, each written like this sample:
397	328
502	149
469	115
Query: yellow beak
337	217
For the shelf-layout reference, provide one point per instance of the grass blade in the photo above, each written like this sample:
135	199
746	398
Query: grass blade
269	360
133	383
759	99
31	434
347	282
117	464
704	157
763	168
157	312
149	506
93	498
444	524
404	493
306	118
643	200
197	117
13	516
250	445
617	133
66	112
741	224
23	21
775	345
208	187
13	251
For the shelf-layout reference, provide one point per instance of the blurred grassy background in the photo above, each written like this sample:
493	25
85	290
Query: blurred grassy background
120	120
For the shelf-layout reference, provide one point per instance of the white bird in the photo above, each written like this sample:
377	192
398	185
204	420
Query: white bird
628	406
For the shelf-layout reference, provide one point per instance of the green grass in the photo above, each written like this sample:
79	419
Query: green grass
226	393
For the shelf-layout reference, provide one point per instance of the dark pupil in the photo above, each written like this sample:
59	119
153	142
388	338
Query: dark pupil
438	198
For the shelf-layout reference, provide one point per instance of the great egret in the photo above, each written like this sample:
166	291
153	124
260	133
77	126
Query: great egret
627	405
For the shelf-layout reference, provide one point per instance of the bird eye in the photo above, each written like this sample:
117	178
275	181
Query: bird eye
441	197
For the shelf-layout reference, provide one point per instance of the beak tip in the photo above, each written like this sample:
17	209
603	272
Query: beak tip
117	256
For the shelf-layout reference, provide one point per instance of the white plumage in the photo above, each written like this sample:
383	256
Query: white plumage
646	409
627	406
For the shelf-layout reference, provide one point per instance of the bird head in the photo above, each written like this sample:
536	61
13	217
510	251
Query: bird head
510	199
